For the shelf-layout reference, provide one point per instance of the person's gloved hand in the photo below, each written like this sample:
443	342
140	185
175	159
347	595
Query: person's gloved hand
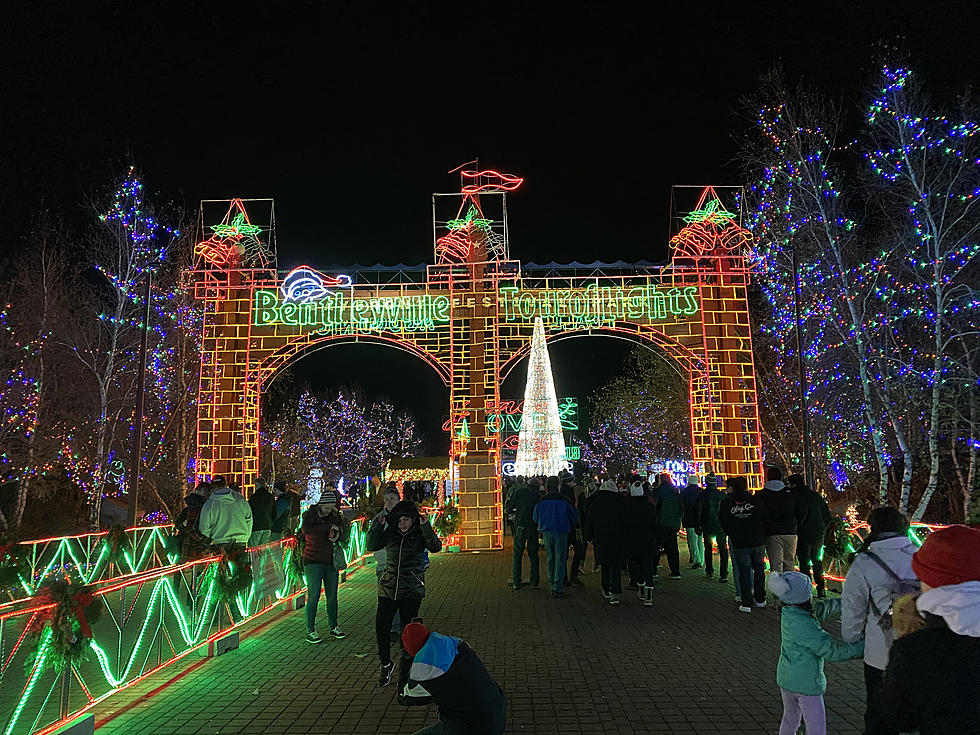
905	616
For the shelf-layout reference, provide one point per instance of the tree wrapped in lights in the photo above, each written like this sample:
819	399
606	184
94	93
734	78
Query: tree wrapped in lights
540	444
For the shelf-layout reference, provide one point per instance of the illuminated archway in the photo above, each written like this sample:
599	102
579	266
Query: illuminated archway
471	319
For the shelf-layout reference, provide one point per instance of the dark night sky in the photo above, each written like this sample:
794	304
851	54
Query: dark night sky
349	115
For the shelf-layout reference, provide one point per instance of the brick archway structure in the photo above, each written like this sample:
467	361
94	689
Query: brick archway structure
471	320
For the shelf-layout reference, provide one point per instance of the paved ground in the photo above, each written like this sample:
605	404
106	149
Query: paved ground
690	664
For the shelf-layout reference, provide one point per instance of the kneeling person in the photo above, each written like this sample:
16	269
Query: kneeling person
445	670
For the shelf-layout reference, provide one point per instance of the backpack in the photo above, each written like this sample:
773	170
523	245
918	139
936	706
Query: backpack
897	588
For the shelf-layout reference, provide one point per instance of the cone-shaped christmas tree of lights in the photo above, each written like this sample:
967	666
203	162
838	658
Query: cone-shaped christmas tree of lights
540	446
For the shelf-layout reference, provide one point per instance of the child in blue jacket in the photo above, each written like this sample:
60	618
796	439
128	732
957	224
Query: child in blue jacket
803	648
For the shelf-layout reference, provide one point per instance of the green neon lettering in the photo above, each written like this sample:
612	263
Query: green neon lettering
358	307
265	312
287	313
673	301
440	309
656	303
690	303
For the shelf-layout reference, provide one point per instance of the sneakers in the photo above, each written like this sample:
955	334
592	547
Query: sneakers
336	632
648	598
515	586
743	608
738	598
314	637
722	580
613	600
386	672
606	594
761	604
675	576
642	592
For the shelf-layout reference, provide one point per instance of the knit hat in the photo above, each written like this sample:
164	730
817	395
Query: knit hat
711	480
792	588
636	489
327	497
948	556
553	484
414	637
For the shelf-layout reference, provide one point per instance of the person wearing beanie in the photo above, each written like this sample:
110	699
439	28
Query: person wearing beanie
406	536
325	531
445	670
709	528
804	646
695	550
931	680
606	527
884	556
641	530
670	513
555	517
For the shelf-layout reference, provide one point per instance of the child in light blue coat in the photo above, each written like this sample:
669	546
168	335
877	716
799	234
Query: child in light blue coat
803	648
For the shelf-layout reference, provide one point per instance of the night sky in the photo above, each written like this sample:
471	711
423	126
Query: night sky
350	114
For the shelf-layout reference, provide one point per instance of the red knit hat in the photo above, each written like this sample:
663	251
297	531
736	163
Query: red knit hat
414	637
950	555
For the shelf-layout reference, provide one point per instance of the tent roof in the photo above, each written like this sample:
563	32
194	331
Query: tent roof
419	463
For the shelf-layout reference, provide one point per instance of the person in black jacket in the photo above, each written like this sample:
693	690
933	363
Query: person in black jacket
263	507
690	522
191	541
781	517
324	529
445	670
606	527
709	526
642	535
520	506
405	535
814	520
743	518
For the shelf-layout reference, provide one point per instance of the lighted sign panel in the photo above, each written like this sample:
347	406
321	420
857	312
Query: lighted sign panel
340	313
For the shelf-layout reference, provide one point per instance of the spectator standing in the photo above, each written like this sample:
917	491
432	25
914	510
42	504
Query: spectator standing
406	536
930	685
263	507
695	549
520	504
325	531
742	518
642	535
781	511
189	537
556	517
814	521
389	499
607	527
225	516
884	557
804	646
574	536
709	525
670	512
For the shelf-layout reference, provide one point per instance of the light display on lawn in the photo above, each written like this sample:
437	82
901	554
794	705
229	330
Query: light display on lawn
541	444
472	319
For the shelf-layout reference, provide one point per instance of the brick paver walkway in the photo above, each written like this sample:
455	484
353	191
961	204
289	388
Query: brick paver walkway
690	664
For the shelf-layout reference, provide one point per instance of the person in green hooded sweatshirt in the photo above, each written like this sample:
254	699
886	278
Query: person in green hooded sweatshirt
804	646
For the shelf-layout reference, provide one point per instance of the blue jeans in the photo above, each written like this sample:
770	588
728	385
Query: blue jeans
751	574
320	574
556	549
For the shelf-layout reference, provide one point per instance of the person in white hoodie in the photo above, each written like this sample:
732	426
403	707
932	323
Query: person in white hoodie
930	686
226	517
866	597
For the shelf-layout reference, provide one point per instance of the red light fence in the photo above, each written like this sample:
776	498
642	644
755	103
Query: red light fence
139	623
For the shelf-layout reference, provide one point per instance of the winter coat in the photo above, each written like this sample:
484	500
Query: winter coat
805	645
287	507
709	509
263	509
690	497
186	527
670	507
226	517
405	562
458	682
866	581
641	526
781	508
816	516
931	679
319	547
608	522
521	503
743	519
555	514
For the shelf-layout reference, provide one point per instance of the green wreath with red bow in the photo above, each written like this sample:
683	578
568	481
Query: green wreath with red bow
72	612
118	544
234	572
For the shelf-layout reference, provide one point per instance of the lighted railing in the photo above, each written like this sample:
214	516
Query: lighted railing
149	620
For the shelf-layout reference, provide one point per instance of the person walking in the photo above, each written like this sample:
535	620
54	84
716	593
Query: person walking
813	524
695	549
743	520
641	532
263	508
781	512
405	535
933	669
574	536
804	646
520	505
325	531
225	516
709	525
884	558
555	516
607	527
670	513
